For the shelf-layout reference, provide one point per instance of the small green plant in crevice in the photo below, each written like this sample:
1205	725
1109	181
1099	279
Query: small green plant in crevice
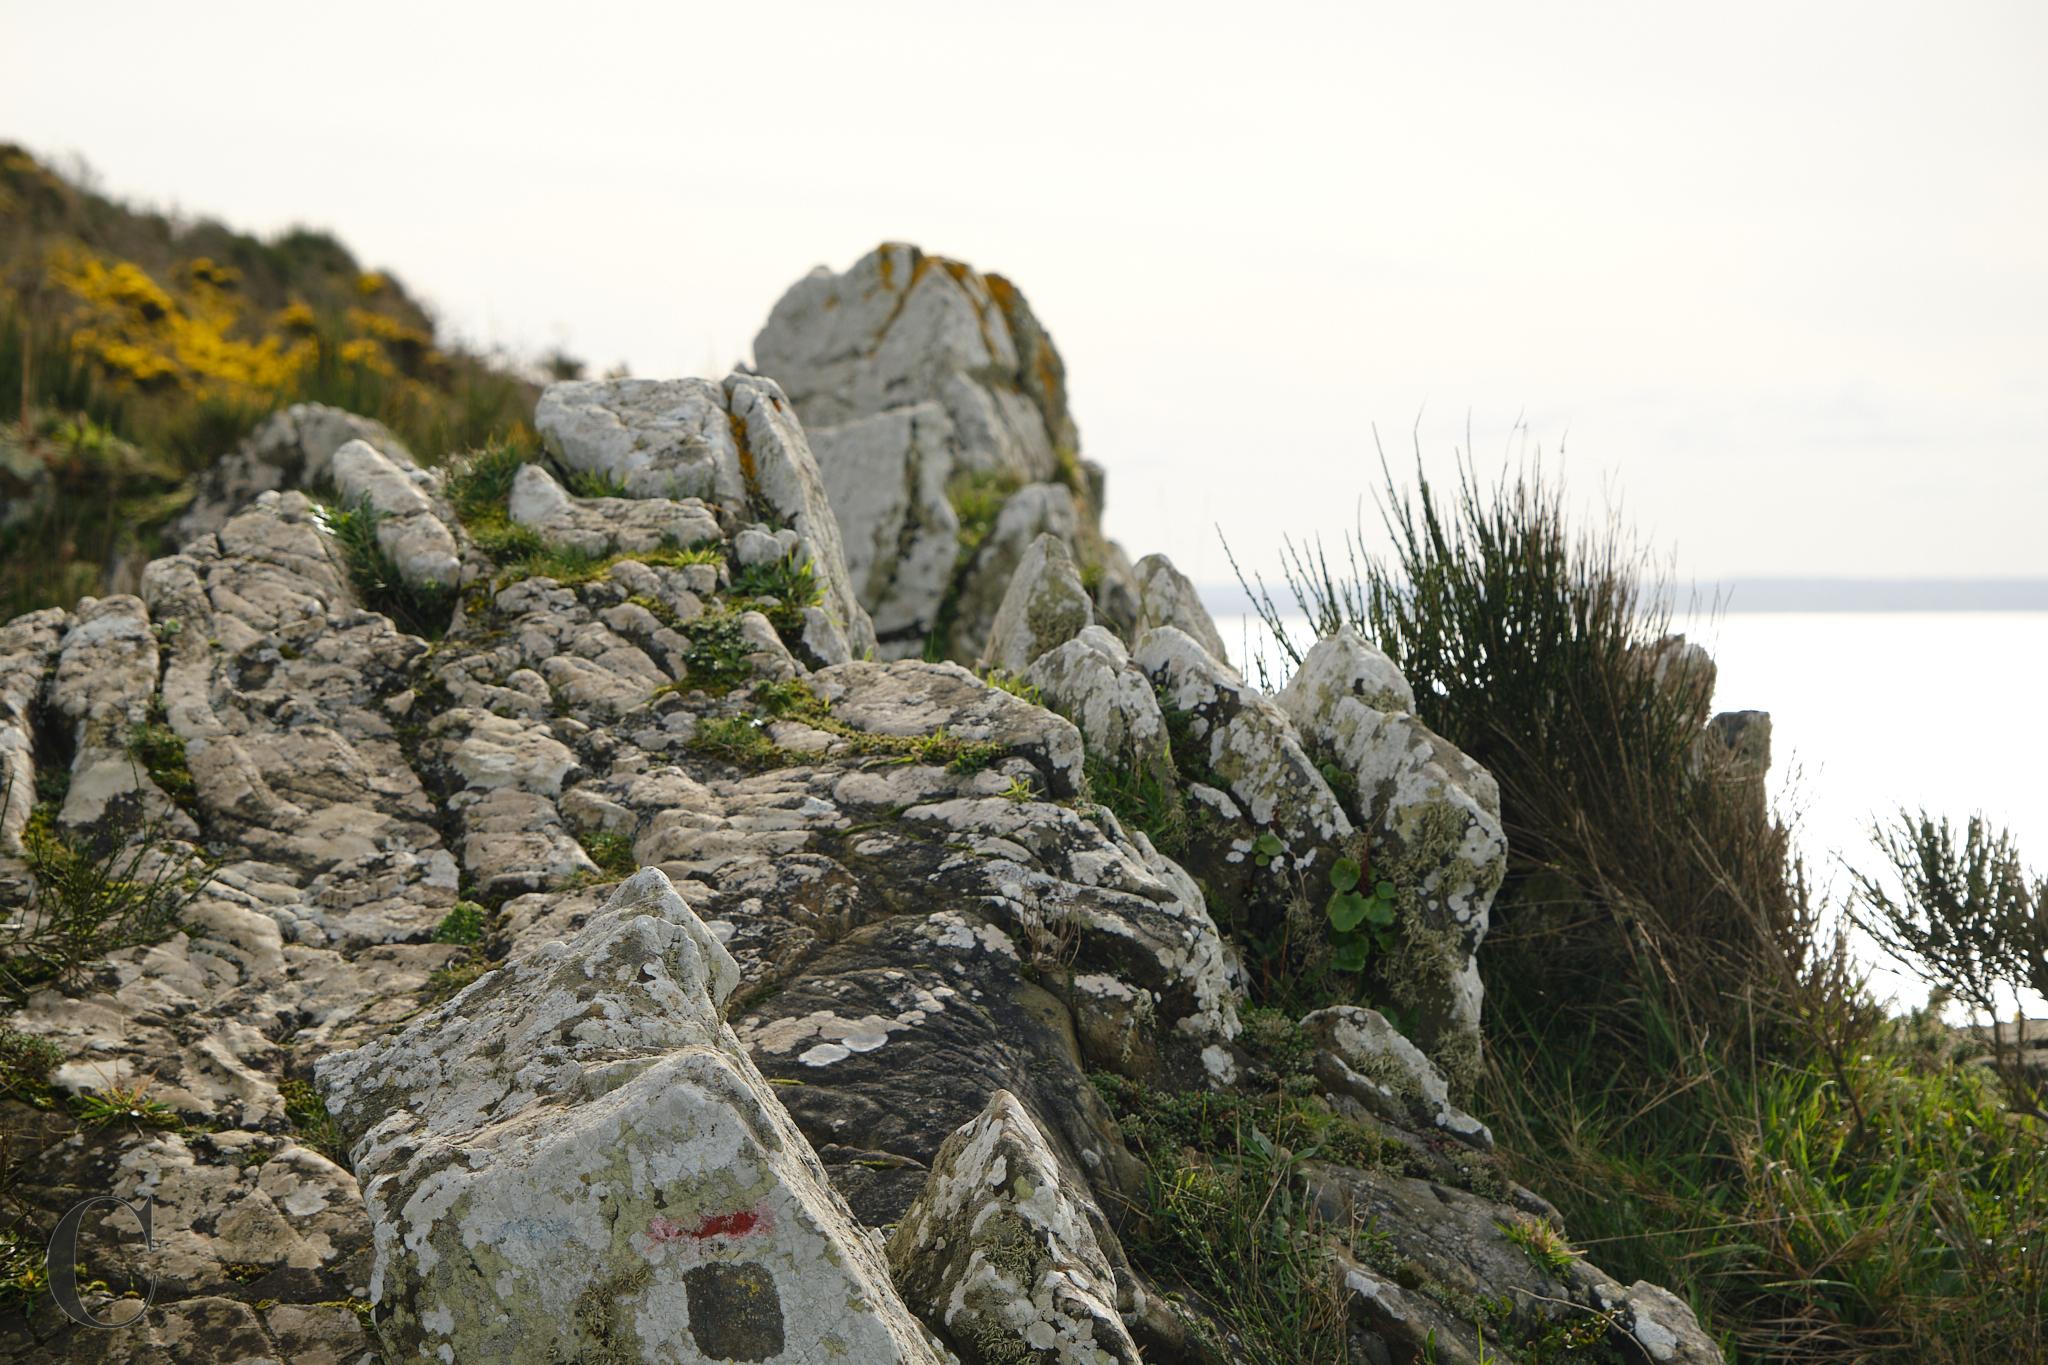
1361	922
308	1113
463	925
157	747
1002	679
572	568
1140	800
123	1104
977	497
24	1271
1543	1244
716	661
795	700
738	740
479	488
422	610
611	851
593	483
790	582
93	895
26	1062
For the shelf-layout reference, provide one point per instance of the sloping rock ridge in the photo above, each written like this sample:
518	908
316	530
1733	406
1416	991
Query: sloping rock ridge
629	968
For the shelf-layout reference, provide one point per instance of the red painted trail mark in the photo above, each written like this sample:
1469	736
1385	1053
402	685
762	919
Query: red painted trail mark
736	1224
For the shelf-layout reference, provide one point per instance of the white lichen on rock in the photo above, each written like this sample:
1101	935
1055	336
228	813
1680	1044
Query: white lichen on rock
999	1253
575	1159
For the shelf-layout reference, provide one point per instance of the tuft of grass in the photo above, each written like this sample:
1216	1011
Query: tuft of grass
611	851
1543	1244
1003	680
781	589
738	740
445	983
464	924
416	610
1141	800
591	483
123	1104
308	1113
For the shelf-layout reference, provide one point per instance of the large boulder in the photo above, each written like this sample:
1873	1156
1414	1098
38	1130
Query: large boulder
1091	681
575	1159
1167	597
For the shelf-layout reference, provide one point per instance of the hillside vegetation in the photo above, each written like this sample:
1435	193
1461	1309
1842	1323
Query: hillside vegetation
1681	1053
135	349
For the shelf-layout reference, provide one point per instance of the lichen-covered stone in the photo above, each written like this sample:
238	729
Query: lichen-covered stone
999	1255
574	1159
1045	607
1091	681
1362	1060
602	526
656	438
1431	818
1167	597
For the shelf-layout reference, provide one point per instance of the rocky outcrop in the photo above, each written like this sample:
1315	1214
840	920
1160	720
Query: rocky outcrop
937	405
903	946
291	450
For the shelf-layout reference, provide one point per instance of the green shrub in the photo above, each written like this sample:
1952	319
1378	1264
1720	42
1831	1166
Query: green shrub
611	851
463	925
93	896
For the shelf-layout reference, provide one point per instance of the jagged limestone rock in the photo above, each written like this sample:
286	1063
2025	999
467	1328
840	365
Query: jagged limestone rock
656	438
27	644
1362	1060
914	373
998	1254
1091	681
412	537
887	476
602	526
574	1158
1167	597
1045	607
1431	818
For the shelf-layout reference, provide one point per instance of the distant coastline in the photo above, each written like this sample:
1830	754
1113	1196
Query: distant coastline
1793	594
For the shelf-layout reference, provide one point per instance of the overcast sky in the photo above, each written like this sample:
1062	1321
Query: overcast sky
1774	273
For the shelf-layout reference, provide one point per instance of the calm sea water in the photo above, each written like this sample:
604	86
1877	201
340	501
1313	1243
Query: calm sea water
1874	711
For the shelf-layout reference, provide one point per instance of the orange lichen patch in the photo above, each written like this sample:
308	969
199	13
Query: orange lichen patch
746	454
139	332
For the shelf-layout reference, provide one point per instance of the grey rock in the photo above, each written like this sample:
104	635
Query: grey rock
1432	828
657	438
1364	1063
1091	681
416	540
602	526
291	449
1045	607
585	1115
1167	597
998	1253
